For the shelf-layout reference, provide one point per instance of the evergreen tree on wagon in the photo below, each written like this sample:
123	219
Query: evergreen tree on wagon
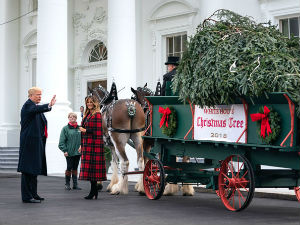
231	55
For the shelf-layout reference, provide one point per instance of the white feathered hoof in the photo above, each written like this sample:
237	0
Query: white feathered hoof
187	190
139	187
113	182
115	190
120	188
109	187
171	189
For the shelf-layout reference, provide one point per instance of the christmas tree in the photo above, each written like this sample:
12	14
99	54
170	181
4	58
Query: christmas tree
231	55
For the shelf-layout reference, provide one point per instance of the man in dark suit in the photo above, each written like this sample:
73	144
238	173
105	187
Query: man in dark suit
32	157
172	63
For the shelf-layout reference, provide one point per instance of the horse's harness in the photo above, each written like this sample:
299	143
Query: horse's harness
108	103
131	113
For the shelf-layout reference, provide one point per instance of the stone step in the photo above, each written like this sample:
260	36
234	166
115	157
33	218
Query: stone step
9	155
9	159
8	170
7	152
9	164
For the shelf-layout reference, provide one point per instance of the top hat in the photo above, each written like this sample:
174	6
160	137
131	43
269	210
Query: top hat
172	60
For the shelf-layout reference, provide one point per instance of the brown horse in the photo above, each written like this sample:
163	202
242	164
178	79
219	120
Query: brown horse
140	95
122	120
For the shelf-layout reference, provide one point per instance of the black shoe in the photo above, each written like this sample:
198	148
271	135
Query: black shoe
32	201
76	188
38	198
93	192
92	195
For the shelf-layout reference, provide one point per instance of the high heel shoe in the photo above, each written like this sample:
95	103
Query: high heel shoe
93	193
91	196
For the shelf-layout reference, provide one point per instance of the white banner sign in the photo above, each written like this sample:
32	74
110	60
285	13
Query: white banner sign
222	123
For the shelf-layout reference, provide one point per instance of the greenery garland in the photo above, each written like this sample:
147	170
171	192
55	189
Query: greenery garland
170	131
231	55
274	121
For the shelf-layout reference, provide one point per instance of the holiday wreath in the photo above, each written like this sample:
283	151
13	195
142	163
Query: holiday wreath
168	121
268	124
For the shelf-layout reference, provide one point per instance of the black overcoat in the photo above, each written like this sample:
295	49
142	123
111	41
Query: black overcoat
32	156
167	77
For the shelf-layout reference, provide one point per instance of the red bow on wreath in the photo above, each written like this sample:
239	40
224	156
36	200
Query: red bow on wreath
166	112
264	121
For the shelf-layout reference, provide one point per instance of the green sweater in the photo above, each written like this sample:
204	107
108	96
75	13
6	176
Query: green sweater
70	140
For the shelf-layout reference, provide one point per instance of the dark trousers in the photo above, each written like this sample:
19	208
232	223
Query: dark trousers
28	186
72	162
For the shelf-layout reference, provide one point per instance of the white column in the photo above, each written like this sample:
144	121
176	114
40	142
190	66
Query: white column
52	73
9	72
122	45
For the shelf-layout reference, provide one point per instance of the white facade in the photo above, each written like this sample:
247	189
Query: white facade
50	48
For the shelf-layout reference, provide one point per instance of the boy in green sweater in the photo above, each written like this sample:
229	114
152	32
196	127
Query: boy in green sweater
69	144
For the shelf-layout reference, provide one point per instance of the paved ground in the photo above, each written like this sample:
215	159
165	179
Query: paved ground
69	207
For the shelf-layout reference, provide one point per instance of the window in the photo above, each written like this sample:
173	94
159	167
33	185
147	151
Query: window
93	84
290	26
176	45
98	53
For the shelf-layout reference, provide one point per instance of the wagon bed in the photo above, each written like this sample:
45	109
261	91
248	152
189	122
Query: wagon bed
227	167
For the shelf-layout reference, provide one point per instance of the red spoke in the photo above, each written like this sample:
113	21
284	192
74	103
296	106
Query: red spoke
231	167
239	169
226	176
244	187
154	189
233	199
243	177
224	195
232	195
239	200
240	194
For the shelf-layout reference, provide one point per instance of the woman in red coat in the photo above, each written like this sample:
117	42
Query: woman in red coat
92	150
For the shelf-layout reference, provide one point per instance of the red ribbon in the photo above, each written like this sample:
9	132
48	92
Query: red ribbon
166	112
264	121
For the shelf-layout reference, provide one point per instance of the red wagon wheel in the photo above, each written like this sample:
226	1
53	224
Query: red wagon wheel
154	179
297	192
236	182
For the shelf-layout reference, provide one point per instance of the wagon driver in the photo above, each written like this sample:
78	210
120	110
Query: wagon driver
172	64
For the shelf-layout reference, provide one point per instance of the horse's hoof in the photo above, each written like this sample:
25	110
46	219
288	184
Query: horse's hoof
115	193
187	194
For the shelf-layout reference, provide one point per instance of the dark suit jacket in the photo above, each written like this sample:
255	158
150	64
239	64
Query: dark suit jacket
167	77
32	157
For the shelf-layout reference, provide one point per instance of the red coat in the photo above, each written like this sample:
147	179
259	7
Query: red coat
92	150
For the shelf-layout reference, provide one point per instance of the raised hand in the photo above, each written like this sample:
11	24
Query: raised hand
52	102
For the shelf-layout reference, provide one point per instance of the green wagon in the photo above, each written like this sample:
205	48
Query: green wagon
234	166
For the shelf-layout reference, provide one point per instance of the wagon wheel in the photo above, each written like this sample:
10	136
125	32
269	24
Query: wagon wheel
154	179
236	182
297	192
